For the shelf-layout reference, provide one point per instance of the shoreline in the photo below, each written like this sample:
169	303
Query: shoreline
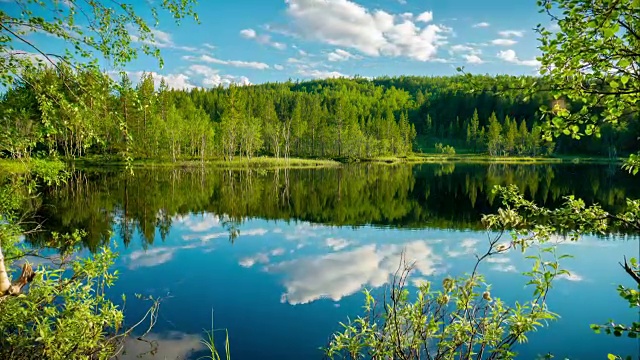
21	165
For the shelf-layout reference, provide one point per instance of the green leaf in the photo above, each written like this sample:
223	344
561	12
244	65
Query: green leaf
624	79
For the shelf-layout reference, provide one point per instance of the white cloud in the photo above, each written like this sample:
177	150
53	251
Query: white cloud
498	260
341	55
248	262
173	81
209	46
375	33
303	231
150	258
212	77
207	221
340	274
461	48
466	247
473	59
504	268
425	17
235	63
320	74
510	33
254	232
161	40
406	16
262	39
278	67
572	276
511	57
481	25
503	42
337	244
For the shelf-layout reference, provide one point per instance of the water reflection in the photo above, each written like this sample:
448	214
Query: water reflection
339	274
250	245
449	196
283	287
169	345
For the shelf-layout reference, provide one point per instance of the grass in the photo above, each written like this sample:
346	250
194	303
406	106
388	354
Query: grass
210	344
484	159
271	163
14	166
236	163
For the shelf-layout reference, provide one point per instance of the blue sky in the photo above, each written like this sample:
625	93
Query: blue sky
254	41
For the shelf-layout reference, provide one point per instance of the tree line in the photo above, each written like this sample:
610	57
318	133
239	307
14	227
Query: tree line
76	113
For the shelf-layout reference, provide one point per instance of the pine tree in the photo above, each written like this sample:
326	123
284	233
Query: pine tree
494	134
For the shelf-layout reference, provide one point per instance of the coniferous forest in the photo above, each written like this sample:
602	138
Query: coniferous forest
353	118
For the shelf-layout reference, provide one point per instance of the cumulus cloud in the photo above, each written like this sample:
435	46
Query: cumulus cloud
425	17
173	81
503	42
470	54
481	25
510	33
341	55
572	276
473	59
161	40
262	39
212	77
235	63
320	74
340	274
511	57
375	33
209	46
278	67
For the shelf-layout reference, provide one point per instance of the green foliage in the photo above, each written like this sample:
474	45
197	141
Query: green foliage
91	30
334	118
445	149
210	343
590	65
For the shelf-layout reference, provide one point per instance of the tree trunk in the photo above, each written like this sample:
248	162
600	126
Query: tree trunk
8	288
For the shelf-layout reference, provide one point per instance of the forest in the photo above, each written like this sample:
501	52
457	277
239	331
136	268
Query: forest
346	118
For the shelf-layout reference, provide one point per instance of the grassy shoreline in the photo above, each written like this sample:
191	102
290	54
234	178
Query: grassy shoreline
236	163
9	165
486	159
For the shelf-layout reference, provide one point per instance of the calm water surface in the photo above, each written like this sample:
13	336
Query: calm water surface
282	256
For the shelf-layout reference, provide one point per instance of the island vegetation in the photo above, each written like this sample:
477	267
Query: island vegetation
568	110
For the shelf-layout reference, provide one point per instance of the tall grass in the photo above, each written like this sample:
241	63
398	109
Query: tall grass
210	344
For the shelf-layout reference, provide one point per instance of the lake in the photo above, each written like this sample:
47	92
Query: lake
282	256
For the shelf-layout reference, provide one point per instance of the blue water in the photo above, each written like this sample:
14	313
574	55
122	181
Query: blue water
282	288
